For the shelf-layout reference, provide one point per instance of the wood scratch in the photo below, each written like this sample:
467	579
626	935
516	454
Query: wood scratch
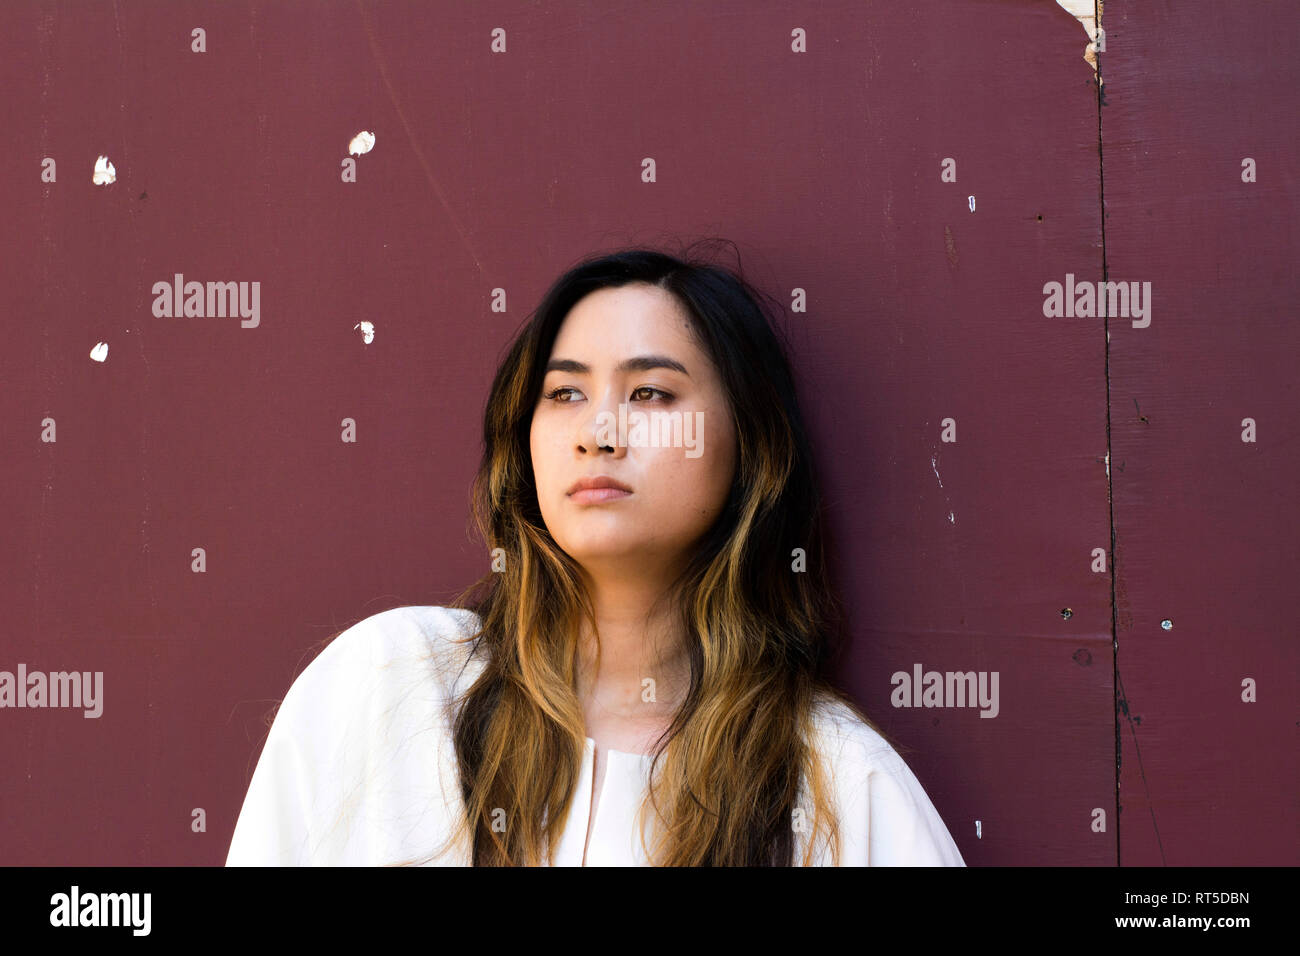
1121	702
378	56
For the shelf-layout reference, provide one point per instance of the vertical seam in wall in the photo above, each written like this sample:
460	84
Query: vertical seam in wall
1110	481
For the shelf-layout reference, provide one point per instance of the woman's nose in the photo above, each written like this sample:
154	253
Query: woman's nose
600	429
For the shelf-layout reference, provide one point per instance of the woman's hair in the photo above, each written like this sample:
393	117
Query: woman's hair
739	763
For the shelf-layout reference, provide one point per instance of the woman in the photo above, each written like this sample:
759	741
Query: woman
642	678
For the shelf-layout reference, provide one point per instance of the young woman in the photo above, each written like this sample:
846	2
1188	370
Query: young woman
641	678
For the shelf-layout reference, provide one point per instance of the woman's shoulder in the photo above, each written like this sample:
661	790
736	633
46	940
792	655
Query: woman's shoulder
889	818
428	649
845	735
361	739
443	636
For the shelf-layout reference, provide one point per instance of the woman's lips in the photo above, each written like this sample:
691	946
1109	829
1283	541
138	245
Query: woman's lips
595	496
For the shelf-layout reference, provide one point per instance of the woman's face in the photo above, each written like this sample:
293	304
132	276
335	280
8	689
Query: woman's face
678	464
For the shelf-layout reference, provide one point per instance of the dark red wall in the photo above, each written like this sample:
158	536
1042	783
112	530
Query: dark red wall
499	170
1205	524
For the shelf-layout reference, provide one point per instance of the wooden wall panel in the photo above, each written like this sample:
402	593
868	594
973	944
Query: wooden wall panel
976	451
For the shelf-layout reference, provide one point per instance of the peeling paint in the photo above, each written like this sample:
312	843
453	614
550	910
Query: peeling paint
934	463
362	143
1089	17
104	172
367	331
100	352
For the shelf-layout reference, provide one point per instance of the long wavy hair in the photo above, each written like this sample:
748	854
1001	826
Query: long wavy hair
738	764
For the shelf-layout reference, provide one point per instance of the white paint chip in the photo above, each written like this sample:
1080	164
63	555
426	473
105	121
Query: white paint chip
100	352
362	143
104	172
367	331
1088	17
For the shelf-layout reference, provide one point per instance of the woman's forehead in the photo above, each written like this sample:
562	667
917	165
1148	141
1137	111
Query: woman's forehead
607	329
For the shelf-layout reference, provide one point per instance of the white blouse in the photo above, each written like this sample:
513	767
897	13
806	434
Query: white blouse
359	767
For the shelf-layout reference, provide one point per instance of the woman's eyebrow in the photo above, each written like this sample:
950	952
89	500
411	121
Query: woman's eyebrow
641	363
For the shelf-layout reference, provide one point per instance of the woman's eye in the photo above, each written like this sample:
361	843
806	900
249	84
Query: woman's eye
648	388
556	391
